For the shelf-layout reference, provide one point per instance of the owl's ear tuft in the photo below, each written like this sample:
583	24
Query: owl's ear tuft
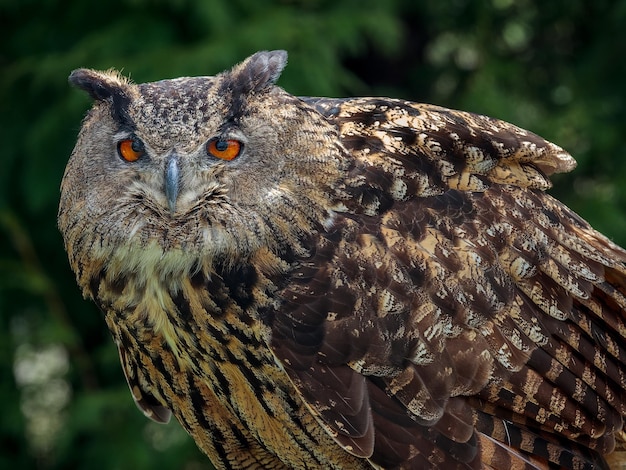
257	72
100	85
105	86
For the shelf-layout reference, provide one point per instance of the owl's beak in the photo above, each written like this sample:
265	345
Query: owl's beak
172	181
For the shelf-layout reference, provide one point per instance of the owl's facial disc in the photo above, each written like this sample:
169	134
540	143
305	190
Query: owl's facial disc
172	181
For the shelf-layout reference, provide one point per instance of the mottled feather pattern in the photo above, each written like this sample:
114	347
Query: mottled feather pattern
372	283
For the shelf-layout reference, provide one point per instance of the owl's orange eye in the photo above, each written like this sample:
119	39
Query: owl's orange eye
131	149
224	149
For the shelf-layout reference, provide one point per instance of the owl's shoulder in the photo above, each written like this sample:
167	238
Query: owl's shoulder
422	149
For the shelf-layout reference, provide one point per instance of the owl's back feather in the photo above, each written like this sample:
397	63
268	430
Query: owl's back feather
465	280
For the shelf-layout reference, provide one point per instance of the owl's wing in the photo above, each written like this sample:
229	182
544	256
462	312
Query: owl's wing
149	405
455	315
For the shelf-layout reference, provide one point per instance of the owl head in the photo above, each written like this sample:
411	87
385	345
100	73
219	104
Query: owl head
195	168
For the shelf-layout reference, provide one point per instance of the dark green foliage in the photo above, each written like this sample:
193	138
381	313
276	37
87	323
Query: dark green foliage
555	67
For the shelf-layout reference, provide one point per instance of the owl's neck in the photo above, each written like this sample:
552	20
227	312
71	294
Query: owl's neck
188	301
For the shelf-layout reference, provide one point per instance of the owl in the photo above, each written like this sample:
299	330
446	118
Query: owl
344	283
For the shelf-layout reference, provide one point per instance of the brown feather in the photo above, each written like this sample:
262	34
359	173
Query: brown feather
369	282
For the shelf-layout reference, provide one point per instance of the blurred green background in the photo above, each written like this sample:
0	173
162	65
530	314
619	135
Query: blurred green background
555	67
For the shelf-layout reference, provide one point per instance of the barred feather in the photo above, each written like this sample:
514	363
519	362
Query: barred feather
371	283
